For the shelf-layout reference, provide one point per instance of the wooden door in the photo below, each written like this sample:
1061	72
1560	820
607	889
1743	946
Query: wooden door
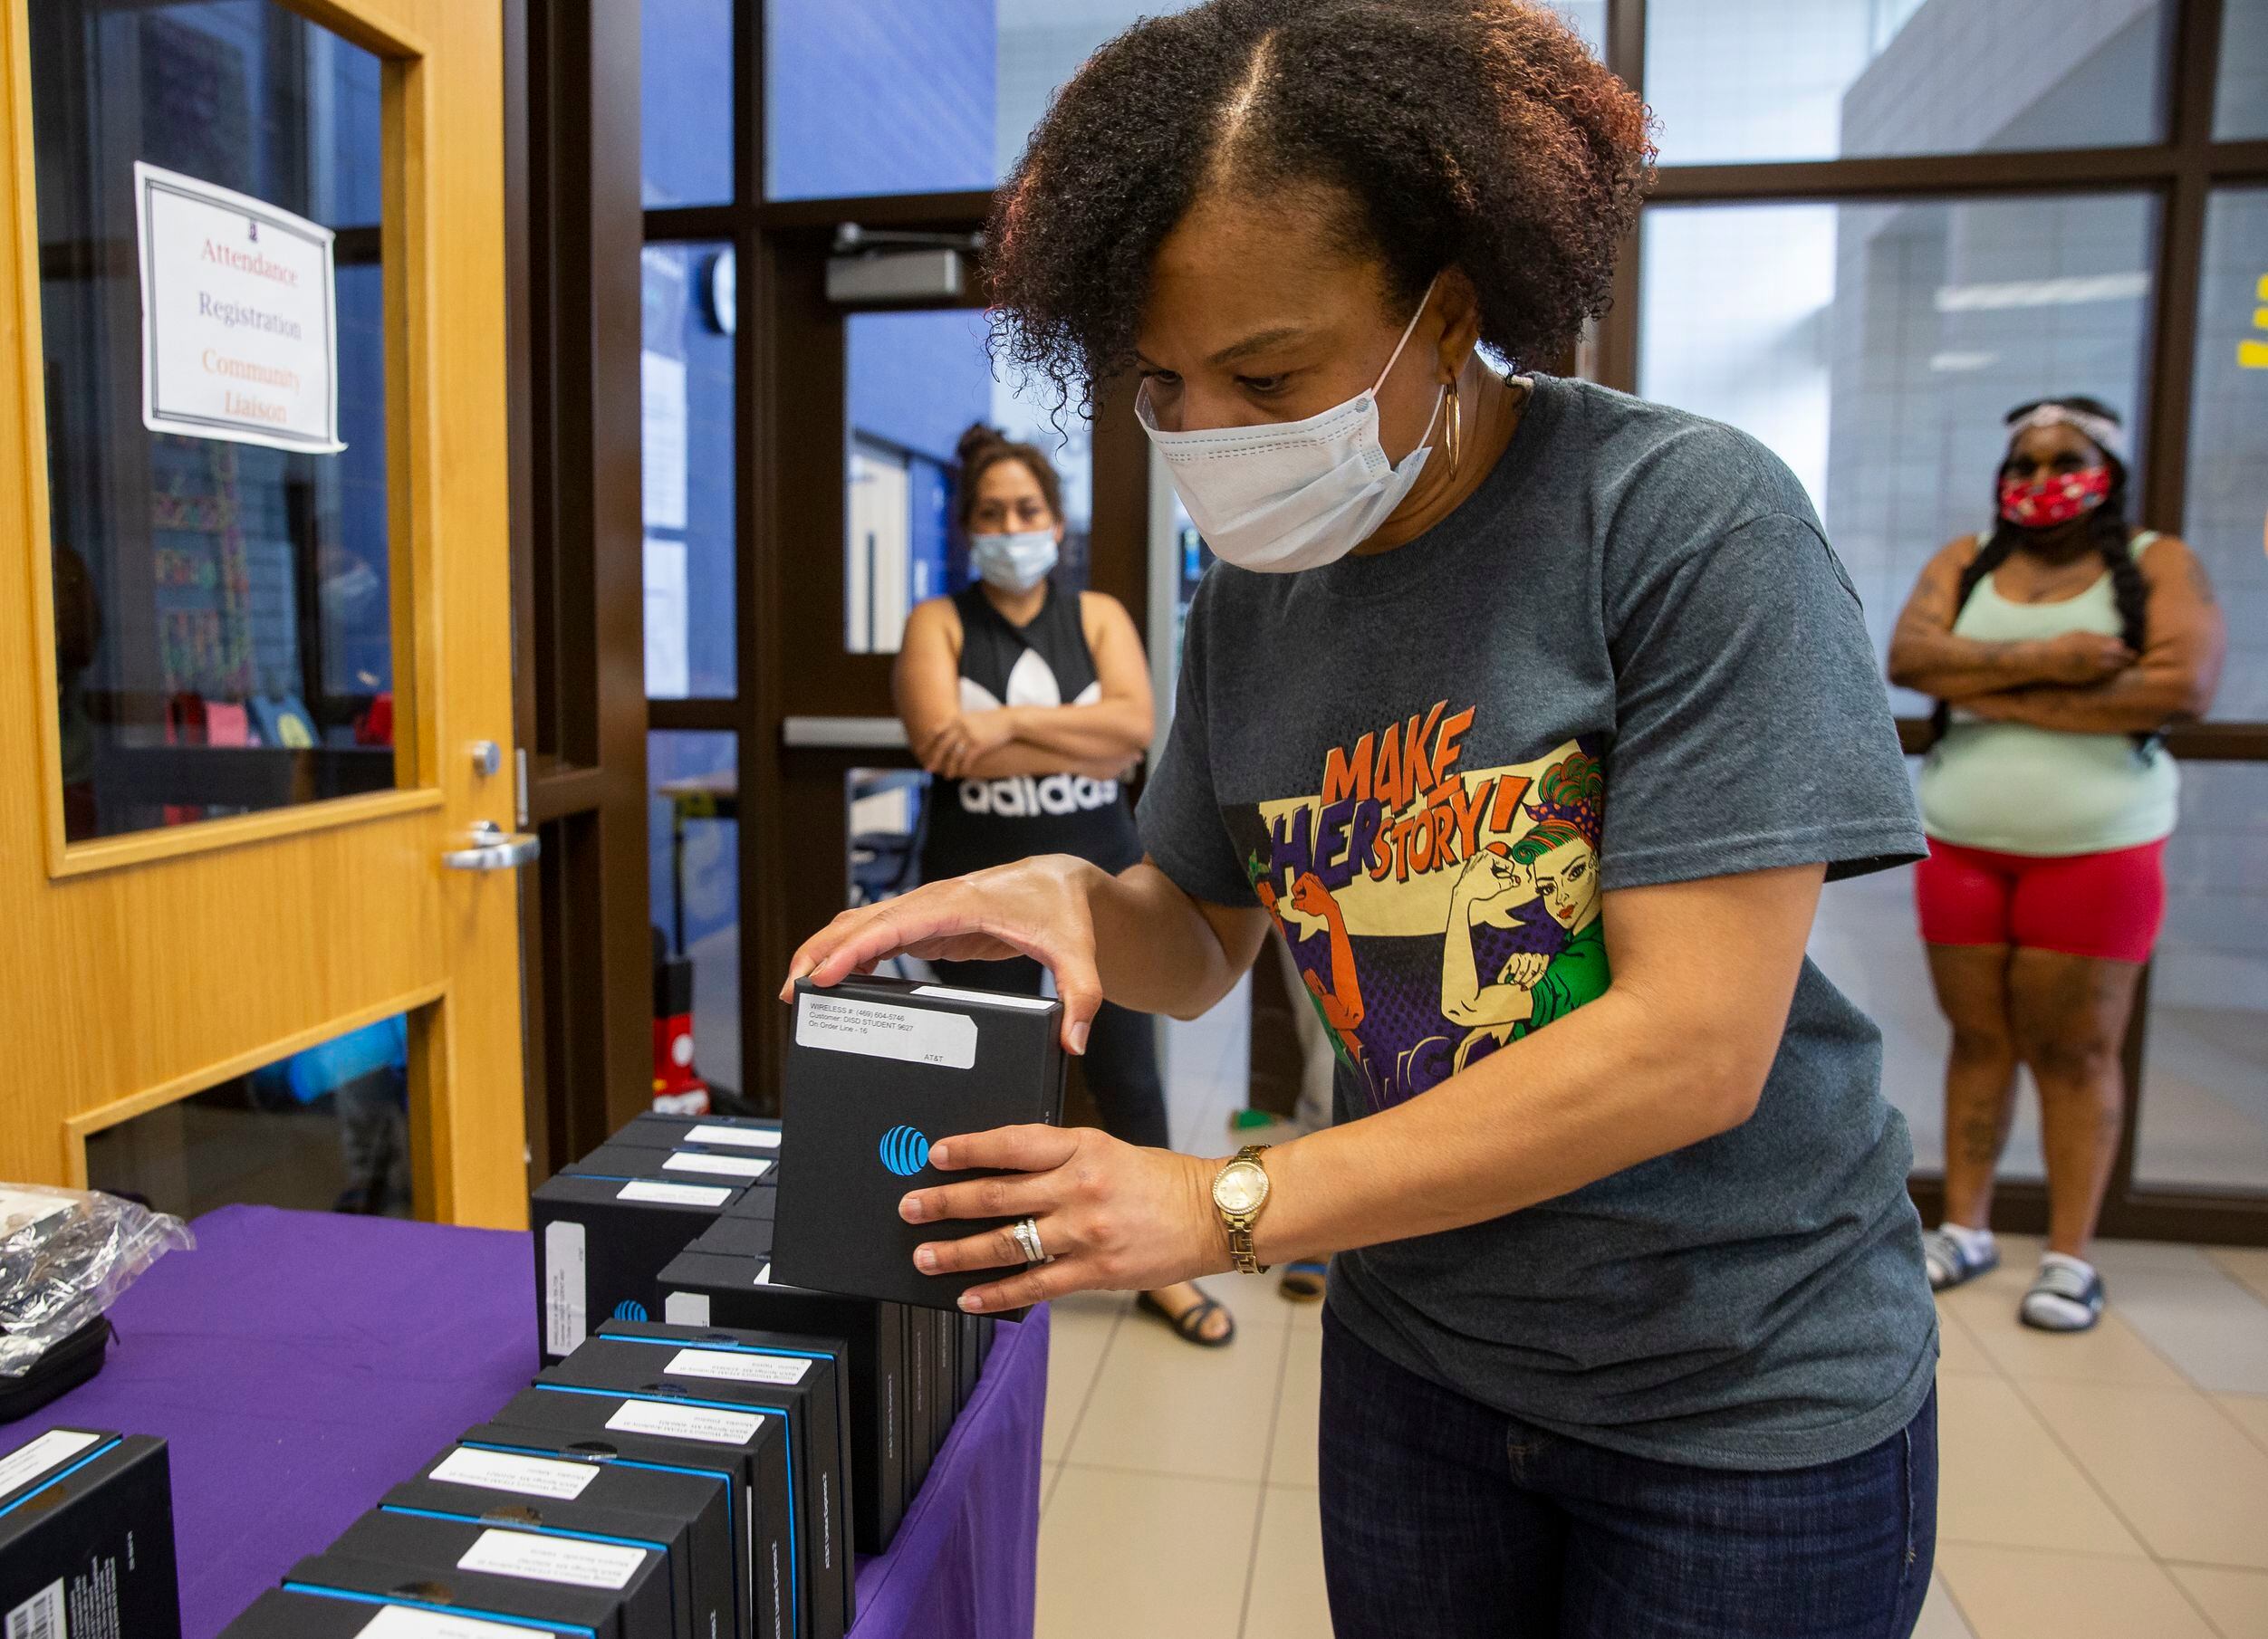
245	689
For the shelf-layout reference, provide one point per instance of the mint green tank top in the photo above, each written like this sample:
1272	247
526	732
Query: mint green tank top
2015	789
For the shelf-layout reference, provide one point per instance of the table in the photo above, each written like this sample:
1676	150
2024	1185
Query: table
300	1363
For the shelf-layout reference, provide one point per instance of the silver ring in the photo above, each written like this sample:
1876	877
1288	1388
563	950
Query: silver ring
1026	1232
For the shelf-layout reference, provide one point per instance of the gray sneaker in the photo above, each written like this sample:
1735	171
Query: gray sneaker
2063	1297
1950	1264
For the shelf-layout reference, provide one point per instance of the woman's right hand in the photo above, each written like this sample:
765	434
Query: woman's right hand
2084	657
1038	908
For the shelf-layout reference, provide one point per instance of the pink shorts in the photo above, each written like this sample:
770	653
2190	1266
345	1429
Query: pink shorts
2107	905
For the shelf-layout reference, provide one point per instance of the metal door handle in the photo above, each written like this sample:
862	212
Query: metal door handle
493	849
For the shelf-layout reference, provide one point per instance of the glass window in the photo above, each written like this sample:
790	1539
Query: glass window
882	812
1758	80
224	589
326	1129
2228	498
1879	357
693	830
917	380
2204	1080
2240	101
685	107
686	383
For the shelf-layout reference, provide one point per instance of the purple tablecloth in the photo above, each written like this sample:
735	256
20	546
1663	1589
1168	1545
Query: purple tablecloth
300	1363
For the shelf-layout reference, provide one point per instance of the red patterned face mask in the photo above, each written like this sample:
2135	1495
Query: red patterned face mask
2058	498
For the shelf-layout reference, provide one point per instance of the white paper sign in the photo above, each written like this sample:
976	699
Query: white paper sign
661	379
747	1137
50	1451
567	1561
700	1422
503	1471
399	1622
727	1366
674	1194
879	1030
685	1308
720	1166
668	617
239	317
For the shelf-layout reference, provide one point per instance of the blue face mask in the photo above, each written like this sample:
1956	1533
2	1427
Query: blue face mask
1014	563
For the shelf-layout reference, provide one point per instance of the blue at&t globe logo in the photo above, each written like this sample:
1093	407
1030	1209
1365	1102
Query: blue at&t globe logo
905	1151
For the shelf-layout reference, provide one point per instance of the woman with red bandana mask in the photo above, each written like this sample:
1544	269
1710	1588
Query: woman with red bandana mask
2061	647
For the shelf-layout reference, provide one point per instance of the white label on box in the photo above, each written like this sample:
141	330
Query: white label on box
745	1137
399	1622
40	1616
674	1194
723	1166
915	1035
764	1276
685	1308
19	1468
529	1476
686	1422
727	1366
946	993
568	1560
565	1312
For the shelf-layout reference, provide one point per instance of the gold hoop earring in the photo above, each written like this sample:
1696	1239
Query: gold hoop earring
1455	429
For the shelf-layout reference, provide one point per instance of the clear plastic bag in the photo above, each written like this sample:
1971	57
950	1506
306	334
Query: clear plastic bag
65	1255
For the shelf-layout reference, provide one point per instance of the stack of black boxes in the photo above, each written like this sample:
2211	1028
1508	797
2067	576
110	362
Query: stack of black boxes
86	1537
706	1444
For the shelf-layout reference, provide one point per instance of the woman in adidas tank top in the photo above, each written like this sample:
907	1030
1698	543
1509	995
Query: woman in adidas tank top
1029	705
2059	646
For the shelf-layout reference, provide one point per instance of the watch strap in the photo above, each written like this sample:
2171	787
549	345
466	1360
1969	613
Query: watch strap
1240	1246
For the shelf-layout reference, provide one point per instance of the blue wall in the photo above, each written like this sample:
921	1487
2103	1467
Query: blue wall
686	109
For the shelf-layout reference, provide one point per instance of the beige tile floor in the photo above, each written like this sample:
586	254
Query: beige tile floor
2111	1486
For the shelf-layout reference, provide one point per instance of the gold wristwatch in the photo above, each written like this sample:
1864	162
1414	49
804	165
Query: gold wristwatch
1240	1190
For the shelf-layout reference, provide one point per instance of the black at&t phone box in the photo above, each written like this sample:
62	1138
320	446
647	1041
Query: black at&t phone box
709	1287
339	1613
683	1514
616	1590
745	1451
600	1243
678	1164
678	1365
753	1135
86	1537
878	1071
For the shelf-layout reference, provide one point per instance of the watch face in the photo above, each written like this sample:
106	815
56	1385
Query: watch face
1241	1186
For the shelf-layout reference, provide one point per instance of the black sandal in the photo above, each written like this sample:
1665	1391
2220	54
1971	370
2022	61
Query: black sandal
1303	1283
1189	1325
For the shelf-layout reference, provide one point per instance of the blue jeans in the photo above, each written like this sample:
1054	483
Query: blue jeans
1445	1518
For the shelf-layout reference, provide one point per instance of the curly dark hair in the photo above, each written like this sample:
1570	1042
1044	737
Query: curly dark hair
1478	133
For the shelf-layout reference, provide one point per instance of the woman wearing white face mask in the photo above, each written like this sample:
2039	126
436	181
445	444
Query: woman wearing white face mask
1533	717
1029	705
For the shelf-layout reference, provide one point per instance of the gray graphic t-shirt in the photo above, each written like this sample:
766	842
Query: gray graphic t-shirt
1629	657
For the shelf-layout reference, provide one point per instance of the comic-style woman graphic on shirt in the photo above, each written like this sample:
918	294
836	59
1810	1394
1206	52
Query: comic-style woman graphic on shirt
1558	861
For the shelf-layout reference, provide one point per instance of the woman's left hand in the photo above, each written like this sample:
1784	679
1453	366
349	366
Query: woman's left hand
959	743
1110	1215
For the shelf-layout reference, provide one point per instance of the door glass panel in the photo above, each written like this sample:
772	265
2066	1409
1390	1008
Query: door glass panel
1879	358
685	380
2228	439
224	594
685	107
2205	1078
2240	103
693	827
1762	80
918	97
325	1129
918	381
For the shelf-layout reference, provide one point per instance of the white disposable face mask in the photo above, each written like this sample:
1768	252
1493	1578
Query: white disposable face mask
1292	495
1014	563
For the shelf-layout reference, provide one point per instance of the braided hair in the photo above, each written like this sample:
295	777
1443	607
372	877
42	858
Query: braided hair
2128	590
